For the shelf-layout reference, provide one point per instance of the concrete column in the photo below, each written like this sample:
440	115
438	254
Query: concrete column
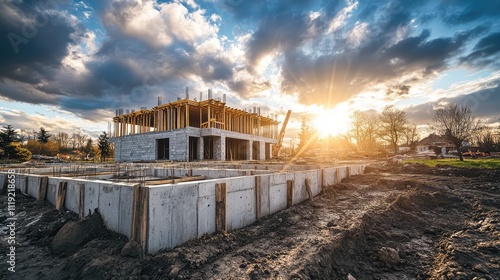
200	149
249	149
262	150
220	148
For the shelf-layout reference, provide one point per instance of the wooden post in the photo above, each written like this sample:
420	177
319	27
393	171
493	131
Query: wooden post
81	200
140	216
258	188
26	182
5	183
323	181
61	195
220	207
289	193
308	189
42	190
348	172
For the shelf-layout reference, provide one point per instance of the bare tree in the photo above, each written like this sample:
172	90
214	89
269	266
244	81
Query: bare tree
363	130
392	126
62	138
410	134
457	124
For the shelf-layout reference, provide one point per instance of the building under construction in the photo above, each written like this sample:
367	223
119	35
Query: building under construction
187	130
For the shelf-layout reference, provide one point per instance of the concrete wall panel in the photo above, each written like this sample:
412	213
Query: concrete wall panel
72	200
240	211
206	208
125	211
172	216
34	185
299	189
277	192
52	189
265	201
109	202
91	197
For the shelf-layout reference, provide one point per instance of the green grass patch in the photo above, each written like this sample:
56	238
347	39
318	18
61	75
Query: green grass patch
491	163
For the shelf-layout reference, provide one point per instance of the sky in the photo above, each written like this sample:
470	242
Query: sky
68	65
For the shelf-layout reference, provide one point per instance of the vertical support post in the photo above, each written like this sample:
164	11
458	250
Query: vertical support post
26	182
308	189
323	181
258	188
61	195
220	210
348	172
140	216
81	209
42	190
289	193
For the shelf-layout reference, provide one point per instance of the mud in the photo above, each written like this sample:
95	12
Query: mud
393	222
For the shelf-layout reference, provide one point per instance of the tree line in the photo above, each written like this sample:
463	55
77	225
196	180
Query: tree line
20	145
372	131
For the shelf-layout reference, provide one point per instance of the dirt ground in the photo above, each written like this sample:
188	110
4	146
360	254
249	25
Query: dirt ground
393	222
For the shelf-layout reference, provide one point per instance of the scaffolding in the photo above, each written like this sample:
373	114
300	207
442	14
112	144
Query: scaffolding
210	113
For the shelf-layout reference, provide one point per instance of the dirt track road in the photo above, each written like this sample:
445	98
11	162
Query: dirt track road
394	222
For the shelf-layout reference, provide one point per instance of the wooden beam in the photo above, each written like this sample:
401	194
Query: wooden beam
61	195
172	181
42	190
140	216
308	189
289	193
81	209
220	207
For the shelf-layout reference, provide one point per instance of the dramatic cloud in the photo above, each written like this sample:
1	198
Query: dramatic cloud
90	58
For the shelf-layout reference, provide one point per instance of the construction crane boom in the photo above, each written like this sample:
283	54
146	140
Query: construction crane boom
277	147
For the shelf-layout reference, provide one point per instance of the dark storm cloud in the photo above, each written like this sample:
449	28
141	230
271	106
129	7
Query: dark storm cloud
338	70
33	41
465	11
485	52
483	103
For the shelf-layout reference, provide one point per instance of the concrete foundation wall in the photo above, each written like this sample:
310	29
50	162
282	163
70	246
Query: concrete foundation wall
183	211
172	215
114	200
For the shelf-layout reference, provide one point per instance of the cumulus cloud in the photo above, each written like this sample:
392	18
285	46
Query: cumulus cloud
318	52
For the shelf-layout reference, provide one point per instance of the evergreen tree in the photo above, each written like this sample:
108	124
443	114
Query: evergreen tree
43	135
7	135
88	148
104	145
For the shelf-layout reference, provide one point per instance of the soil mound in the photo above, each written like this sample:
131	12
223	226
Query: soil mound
73	235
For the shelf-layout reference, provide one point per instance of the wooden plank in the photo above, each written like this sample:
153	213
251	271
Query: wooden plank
81	208
26	182
144	218
220	207
308	189
258	188
134	232
289	193
61	195
173	181
42	190
323	181
5	183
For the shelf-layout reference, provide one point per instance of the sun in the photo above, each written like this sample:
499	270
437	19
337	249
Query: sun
331	122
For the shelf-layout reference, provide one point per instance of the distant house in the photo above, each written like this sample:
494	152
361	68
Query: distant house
424	145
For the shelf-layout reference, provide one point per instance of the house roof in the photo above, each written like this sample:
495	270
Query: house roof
433	139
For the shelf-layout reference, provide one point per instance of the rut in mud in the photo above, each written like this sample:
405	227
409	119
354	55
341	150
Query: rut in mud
394	222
